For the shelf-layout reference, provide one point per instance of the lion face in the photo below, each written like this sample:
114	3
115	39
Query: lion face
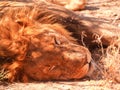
40	50
49	55
55	57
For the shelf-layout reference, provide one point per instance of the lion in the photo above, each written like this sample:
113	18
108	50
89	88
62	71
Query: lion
38	49
32	33
88	31
43	41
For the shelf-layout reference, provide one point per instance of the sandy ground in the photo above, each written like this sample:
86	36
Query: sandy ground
103	10
76	85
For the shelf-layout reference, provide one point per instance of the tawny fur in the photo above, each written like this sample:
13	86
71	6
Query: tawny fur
38	48
33	33
86	30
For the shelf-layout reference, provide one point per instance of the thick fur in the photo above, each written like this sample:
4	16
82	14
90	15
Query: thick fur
87	31
38	48
48	37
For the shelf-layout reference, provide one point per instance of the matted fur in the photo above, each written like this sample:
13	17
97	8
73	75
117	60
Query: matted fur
82	29
38	48
33	33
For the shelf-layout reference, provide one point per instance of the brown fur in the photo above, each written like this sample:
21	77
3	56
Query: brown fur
86	33
86	30
38	48
34	33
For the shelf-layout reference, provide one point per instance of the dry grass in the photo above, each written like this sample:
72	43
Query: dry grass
3	74
107	62
112	63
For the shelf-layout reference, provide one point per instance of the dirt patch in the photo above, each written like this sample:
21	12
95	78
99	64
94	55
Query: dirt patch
76	85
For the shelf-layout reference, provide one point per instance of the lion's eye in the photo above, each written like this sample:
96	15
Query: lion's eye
57	42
